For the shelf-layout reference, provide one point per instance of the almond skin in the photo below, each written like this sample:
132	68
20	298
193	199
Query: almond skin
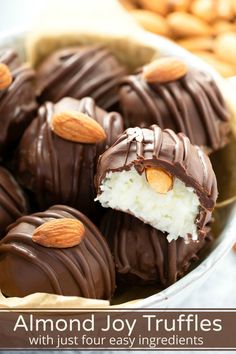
151	21
77	127
59	233
183	25
5	76
159	180
164	70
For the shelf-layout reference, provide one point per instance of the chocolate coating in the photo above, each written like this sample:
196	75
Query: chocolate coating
12	200
143	255
79	72
17	102
192	105
57	170
85	270
172	152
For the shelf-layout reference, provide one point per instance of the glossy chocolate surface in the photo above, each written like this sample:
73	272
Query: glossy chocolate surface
85	270
143	255
17	102
57	170
12	200
192	105
79	72
172	152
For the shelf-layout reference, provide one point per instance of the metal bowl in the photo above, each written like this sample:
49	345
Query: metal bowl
225	218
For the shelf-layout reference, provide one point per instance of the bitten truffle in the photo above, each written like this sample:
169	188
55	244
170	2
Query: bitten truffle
17	100
79	72
190	103
27	267
160	178
60	171
12	200
143	255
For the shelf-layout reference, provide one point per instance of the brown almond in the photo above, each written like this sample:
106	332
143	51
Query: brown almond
158	6
182	25
206	10
179	5
225	9
159	180
77	127
225	69
225	47
197	43
222	26
164	70
59	233
151	22
5	76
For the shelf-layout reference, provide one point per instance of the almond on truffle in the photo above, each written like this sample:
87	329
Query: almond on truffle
77	127
59	233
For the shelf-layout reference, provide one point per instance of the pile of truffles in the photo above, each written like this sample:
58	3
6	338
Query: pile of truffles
112	180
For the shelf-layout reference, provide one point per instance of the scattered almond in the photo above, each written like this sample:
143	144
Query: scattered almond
151	22
77	127
186	25
222	26
206	10
225	47
197	43
158	6
5	76
225	9
179	5
164	70
59	233
159	180
225	69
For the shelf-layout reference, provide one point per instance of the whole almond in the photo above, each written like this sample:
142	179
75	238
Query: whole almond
197	43
157	6
5	76
178	5
151	22
225	47
222	26
77	127
59	233
225	69
159	180
164	70
225	9
182	25
206	10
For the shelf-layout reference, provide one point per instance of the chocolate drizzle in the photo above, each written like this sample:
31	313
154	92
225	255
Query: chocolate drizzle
174	153
85	270
143	255
17	102
60	171
192	105
79	72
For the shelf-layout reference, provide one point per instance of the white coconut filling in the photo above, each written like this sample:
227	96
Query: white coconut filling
174	212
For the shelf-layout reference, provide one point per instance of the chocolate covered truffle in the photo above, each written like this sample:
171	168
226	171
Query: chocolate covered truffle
143	255
168	93
56	166
12	200
17	99
161	178
58	251
79	72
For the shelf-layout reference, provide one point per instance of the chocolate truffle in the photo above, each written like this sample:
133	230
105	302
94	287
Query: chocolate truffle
17	99
161	178
191	104
143	255
12	200
60	171
27	267
79	72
